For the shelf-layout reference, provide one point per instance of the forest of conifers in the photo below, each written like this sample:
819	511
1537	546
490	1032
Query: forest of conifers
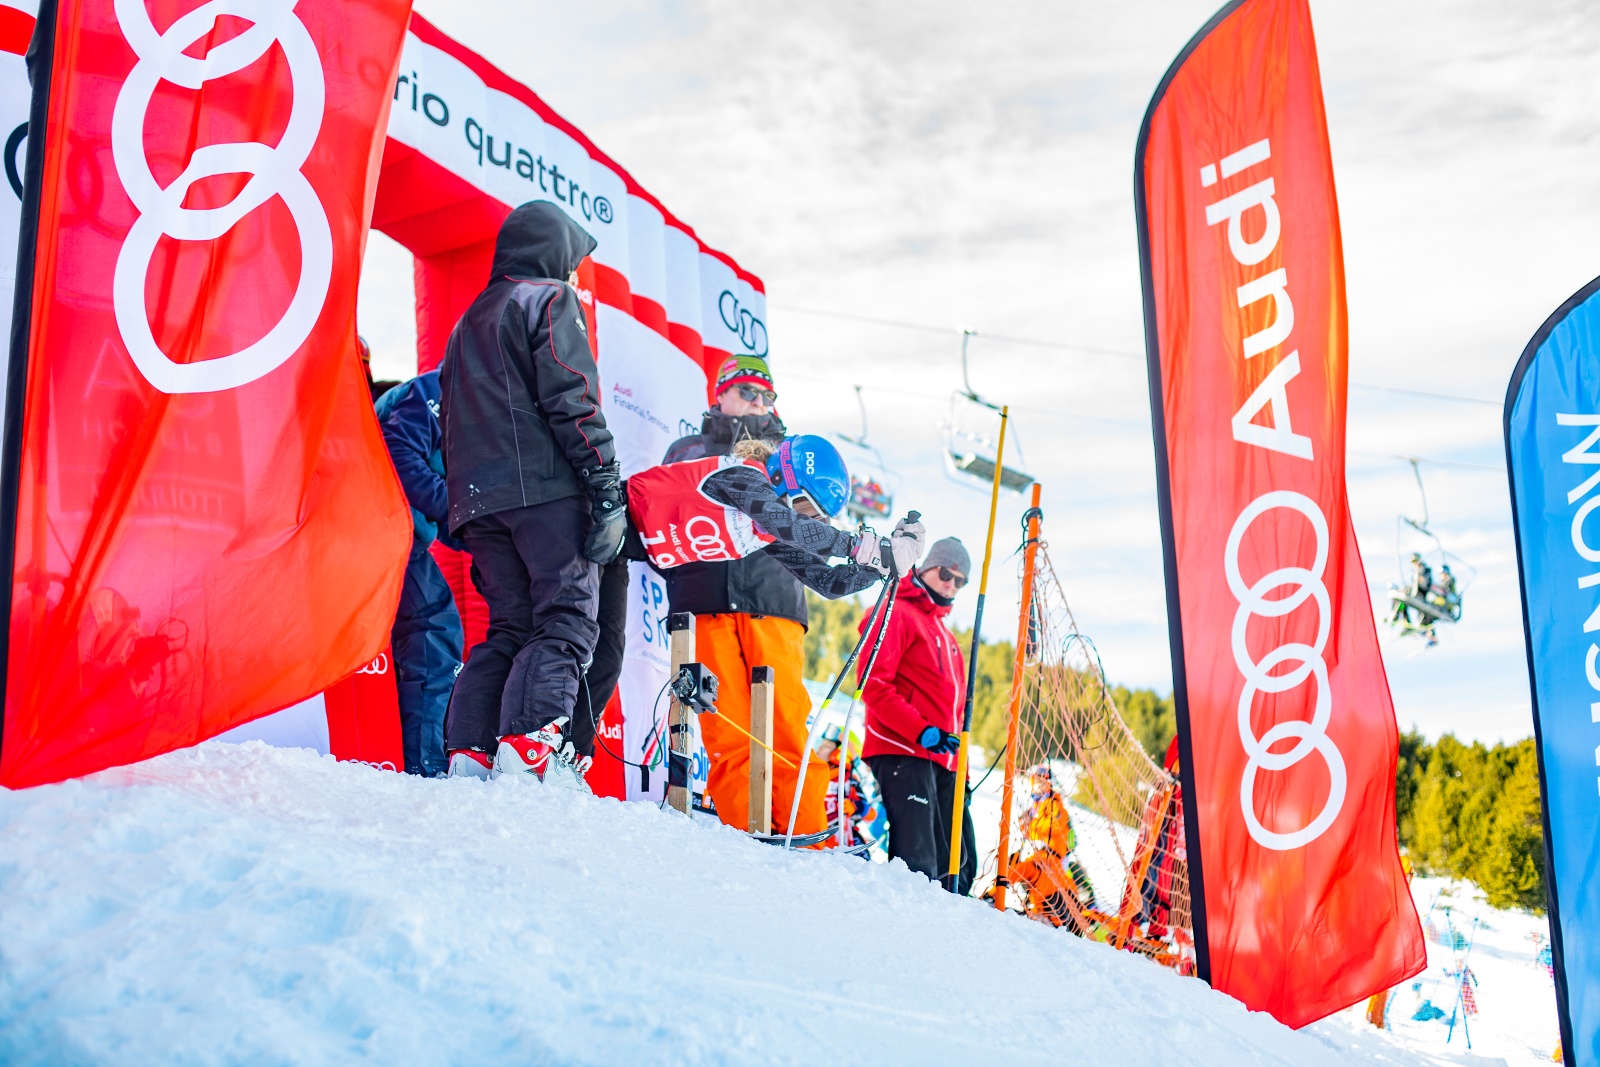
1463	809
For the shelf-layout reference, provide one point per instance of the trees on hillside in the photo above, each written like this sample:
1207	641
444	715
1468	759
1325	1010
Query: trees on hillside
1464	810
1470	811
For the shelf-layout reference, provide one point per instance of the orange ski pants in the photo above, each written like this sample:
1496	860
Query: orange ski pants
729	645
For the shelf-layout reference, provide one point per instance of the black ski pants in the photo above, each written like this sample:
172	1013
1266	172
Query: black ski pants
917	796
601	680
543	599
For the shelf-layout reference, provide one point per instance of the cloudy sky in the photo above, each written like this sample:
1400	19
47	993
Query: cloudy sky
896	172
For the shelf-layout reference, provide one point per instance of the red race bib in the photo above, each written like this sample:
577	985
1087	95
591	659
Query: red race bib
679	523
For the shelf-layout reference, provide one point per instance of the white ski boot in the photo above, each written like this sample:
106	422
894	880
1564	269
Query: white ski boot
469	763
566	769
528	753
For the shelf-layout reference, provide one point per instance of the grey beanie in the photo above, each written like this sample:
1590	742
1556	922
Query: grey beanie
948	552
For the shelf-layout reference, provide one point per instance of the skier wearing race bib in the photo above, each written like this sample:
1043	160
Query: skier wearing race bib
760	503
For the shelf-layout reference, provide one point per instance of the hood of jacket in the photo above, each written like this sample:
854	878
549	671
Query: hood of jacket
912	592
729	430
538	240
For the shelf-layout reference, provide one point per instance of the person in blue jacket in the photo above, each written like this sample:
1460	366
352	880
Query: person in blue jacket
427	639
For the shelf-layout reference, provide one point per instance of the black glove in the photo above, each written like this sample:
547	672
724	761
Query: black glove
936	740
609	507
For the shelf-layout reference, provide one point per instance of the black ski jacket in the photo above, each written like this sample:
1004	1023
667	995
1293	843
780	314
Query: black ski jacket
519	393
803	545
758	584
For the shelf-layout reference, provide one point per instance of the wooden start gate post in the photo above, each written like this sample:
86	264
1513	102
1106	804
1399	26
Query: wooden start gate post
761	701
680	631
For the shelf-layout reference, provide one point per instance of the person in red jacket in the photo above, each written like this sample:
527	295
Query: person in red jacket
914	698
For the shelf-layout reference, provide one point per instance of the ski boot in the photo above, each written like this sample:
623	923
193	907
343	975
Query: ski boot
469	763
566	769
528	753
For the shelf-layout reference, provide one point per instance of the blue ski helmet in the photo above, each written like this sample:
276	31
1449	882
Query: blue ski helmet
808	466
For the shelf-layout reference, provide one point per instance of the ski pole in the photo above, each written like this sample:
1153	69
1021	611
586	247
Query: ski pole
959	793
886	601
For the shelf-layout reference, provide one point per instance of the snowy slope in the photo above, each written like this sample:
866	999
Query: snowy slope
241	904
1514	1021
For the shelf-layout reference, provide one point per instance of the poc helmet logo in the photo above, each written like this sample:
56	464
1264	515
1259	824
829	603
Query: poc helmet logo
751	330
811	463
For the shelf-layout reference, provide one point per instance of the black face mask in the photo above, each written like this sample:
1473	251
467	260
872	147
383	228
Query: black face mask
942	601
736	428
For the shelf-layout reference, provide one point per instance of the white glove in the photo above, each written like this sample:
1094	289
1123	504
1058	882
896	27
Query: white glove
868	551
906	543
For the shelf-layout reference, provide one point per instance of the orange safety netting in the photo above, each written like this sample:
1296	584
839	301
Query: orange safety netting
1094	833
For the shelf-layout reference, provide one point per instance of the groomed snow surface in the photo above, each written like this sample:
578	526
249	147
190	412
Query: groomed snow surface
243	904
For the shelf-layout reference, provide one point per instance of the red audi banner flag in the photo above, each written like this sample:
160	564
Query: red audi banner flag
1286	726
200	517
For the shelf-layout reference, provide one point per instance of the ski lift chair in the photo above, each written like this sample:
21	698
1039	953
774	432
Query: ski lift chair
967	451
871	480
1413	610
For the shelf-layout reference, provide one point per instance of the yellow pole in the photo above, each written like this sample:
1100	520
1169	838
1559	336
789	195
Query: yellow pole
960	791
1029	552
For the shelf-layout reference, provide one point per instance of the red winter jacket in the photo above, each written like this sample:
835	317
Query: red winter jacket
918	681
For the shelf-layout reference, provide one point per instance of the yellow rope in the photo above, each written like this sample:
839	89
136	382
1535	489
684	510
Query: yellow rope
756	739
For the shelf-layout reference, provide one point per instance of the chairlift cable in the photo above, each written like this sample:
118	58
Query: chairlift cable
1067	346
1425	459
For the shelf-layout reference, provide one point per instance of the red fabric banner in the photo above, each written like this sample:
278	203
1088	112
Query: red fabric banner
1286	722
363	714
208	527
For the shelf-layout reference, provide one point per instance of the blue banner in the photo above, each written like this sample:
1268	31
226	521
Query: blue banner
1552	426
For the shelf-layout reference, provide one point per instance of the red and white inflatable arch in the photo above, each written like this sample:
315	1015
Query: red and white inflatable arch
466	144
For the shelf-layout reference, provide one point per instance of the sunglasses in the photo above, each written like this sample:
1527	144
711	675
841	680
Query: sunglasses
750	394
948	575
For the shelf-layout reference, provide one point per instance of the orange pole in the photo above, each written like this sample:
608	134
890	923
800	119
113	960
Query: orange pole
1003	860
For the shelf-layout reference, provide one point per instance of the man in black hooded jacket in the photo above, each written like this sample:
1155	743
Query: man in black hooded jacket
536	494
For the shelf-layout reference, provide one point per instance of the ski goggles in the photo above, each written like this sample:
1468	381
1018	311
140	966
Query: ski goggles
810	510
750	394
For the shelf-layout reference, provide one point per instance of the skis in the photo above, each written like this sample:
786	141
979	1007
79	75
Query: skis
801	840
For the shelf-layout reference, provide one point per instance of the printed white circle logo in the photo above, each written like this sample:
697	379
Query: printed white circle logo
272	171
707	547
1308	664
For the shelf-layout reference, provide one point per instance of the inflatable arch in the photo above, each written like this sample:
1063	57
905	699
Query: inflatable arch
466	144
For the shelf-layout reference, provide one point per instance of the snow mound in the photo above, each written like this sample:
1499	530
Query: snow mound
243	904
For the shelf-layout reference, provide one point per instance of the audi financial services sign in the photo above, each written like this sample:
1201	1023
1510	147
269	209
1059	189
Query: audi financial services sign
1286	728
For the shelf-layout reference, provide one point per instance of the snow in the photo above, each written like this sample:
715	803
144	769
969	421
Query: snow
243	904
1516	1018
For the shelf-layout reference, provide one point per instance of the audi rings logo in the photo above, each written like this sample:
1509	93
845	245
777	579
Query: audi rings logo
273	171
377	666
1308	666
706	547
751	330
